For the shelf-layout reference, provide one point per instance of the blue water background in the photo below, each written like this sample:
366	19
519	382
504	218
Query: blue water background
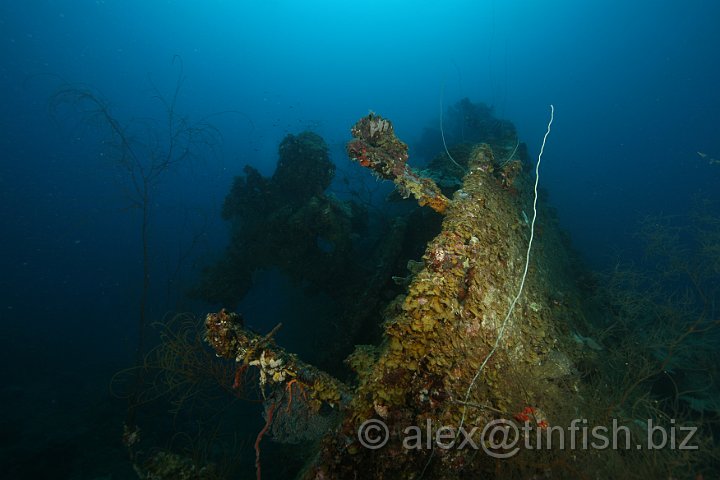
634	85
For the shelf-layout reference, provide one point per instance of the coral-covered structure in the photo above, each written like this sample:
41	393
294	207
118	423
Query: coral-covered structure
485	361
440	334
228	337
376	147
443	330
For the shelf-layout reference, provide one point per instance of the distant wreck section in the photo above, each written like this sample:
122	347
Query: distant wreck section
286	221
412	388
291	223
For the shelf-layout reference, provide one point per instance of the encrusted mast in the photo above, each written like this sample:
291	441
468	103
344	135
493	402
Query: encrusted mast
376	147
440	332
226	334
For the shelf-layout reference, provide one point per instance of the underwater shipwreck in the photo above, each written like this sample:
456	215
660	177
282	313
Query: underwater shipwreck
478	359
